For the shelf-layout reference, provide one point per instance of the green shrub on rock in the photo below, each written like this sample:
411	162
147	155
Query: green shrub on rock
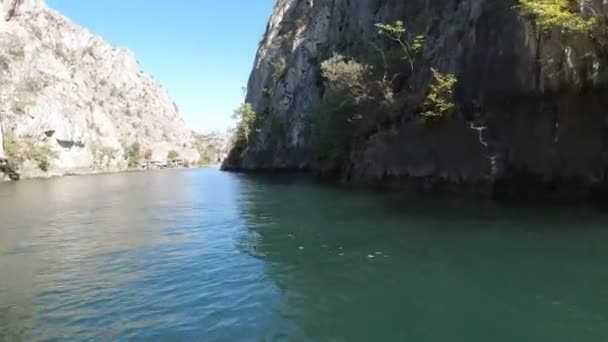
18	152
42	155
550	14
172	155
148	155
246	120
13	149
439	102
133	154
346	75
410	46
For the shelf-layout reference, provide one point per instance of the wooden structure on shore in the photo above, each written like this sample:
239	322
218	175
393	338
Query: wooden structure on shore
6	168
176	163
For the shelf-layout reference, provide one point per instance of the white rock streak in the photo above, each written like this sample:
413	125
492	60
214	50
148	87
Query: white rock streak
491	158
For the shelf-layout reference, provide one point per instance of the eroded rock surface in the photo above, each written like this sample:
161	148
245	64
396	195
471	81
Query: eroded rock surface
70	94
531	105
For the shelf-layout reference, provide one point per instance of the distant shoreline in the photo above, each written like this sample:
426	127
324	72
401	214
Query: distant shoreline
104	172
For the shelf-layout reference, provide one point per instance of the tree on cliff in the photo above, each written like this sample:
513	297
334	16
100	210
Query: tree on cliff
550	14
246	119
410	45
439	102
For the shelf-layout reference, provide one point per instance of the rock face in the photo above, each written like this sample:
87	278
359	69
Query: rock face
12	8
75	103
213	147
531	105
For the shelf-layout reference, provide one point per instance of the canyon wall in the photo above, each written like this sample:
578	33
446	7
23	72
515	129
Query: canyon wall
72	103
530	103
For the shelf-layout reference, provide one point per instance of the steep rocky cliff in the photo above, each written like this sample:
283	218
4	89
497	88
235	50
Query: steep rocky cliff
530	101
72	103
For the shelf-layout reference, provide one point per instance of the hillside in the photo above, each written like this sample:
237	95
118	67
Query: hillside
72	103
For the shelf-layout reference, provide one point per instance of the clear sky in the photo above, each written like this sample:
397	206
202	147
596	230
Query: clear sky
201	51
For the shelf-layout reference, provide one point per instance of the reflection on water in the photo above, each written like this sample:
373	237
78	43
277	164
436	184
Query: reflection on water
203	254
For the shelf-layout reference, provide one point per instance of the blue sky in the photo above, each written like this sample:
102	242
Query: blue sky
201	51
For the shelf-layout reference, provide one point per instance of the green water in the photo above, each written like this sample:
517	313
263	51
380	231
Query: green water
208	256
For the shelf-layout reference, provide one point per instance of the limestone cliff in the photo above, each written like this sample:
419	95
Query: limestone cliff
72	103
531	105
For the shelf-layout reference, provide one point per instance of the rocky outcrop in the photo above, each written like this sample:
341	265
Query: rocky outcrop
531	105
75	103
13	8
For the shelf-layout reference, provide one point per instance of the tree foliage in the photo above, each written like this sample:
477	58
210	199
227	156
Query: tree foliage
172	155
411	46
42	155
329	129
12	148
133	154
148	155
28	149
350	86
439	101
348	76
246	120
105	155
357	94
551	14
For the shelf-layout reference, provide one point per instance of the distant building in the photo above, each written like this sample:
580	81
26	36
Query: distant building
155	164
176	163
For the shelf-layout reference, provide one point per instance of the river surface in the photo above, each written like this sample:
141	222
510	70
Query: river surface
209	256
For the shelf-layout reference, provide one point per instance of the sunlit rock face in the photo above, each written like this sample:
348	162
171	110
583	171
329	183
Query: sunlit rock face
67	91
12	8
530	104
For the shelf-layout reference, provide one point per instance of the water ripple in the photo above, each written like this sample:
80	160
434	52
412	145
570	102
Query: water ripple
204	255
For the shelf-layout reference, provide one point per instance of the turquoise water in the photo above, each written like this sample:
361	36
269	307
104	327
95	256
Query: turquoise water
212	256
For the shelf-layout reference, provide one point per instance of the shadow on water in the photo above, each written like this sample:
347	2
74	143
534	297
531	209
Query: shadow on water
360	266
